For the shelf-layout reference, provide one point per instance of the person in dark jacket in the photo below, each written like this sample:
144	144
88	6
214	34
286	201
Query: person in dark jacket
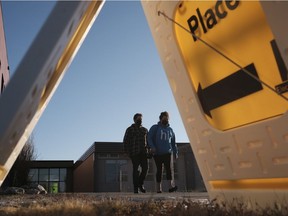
162	141
135	145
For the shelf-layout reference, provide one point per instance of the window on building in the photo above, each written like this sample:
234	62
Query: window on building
63	174
114	155
43	174
102	155
62	187
54	174
52	179
33	175
111	155
112	170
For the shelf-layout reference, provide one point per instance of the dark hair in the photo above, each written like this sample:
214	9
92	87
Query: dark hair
136	116
165	113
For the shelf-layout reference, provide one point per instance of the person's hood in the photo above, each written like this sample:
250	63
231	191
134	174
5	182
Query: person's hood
161	125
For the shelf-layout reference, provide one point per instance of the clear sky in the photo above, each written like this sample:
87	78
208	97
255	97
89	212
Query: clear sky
116	73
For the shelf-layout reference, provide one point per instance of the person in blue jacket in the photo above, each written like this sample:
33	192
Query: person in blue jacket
162	141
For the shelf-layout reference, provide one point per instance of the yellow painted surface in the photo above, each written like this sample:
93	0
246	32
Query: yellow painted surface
244	36
271	183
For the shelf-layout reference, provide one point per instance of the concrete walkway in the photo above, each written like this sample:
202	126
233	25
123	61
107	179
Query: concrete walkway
175	196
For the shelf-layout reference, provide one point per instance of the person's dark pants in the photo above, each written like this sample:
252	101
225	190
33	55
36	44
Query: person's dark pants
166	160
139	160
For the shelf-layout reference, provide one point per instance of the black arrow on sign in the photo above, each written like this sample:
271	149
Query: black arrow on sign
229	89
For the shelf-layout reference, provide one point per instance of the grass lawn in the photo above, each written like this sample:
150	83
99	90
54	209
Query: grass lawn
91	204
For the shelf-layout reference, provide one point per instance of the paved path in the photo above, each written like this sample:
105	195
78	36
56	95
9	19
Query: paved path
177	196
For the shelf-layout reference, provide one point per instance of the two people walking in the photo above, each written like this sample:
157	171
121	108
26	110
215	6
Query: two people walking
160	140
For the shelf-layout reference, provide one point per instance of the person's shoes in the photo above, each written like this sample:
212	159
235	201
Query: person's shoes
159	191
136	190
173	189
142	189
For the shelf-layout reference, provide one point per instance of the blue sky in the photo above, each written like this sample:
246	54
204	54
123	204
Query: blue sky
116	73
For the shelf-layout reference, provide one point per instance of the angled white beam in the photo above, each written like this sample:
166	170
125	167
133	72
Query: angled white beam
39	74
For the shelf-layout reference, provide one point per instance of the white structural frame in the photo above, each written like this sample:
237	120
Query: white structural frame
247	163
39	74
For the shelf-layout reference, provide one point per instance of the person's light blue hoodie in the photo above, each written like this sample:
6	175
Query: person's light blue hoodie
162	139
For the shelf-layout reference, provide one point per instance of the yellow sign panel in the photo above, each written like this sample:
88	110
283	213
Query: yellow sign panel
229	97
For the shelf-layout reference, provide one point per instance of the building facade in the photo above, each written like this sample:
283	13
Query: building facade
105	167
108	169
